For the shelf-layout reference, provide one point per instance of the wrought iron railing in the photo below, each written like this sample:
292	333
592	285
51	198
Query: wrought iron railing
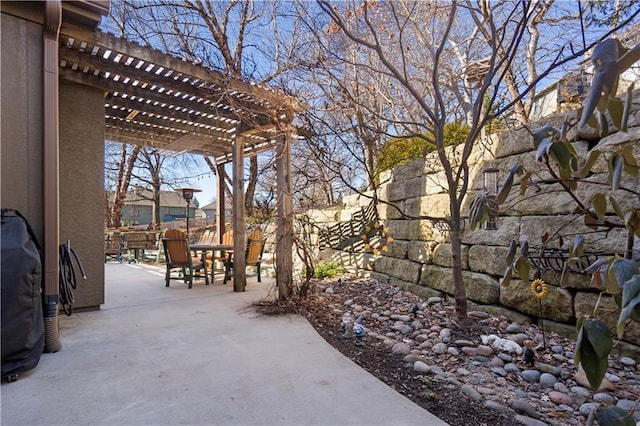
555	260
335	235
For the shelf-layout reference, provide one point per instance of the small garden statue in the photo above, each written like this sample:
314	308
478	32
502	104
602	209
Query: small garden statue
529	357
358	331
345	326
414	310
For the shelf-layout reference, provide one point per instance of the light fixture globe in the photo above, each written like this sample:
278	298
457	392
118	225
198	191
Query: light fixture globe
491	180
491	186
187	194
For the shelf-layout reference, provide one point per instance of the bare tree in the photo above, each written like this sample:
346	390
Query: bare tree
149	177
242	38
120	172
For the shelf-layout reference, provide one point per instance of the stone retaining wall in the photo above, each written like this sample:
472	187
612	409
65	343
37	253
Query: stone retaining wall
418	259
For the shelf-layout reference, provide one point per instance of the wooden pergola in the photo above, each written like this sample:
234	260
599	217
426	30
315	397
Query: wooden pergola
154	99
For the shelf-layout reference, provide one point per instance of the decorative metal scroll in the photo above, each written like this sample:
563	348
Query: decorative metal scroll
555	259
338	235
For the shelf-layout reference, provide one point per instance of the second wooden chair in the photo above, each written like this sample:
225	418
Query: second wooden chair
253	254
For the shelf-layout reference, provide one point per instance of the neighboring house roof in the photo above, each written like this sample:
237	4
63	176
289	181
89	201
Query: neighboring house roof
210	206
142	198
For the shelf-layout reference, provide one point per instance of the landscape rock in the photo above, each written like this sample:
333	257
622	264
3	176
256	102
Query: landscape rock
487	367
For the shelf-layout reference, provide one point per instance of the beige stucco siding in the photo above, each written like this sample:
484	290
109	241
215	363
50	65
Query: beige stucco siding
21	118
82	185
81	152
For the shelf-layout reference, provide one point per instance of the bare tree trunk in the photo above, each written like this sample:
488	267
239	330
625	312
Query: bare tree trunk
518	107
154	165
370	160
330	199
284	230
107	210
125	167
455	236
155	219
251	185
115	210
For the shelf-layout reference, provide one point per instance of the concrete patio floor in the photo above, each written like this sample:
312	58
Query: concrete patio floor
166	356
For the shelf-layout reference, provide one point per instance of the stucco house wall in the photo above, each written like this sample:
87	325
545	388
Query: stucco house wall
81	153
21	119
82	185
210	210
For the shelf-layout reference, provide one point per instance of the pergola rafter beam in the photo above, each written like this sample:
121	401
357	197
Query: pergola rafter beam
259	94
175	114
149	91
125	69
162	124
156	98
146	139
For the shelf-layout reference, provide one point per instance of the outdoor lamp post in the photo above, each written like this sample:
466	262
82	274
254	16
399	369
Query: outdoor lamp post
187	194
491	180
491	186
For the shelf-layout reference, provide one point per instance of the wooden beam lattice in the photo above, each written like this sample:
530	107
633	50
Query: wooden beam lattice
247	90
152	98
151	77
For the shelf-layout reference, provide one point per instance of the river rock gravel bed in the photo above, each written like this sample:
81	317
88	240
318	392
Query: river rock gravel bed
474	374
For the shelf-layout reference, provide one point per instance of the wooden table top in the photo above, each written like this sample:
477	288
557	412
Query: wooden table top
225	247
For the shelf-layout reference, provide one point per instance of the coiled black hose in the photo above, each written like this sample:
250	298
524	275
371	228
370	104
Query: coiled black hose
68	276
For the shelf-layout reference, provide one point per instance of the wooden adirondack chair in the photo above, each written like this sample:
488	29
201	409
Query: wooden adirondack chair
114	247
227	239
178	256
253	254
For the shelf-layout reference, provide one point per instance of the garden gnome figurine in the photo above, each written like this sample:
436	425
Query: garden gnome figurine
345	326
414	310
358	331
529	357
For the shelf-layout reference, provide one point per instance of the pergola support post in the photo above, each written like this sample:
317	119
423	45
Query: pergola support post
284	231
220	203
239	261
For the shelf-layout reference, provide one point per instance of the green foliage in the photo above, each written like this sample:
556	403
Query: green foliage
620	277
398	151
428	386
483	204
629	303
593	345
402	150
455	133
479	211
609	61
552	144
328	270
518	261
616	276
494	125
